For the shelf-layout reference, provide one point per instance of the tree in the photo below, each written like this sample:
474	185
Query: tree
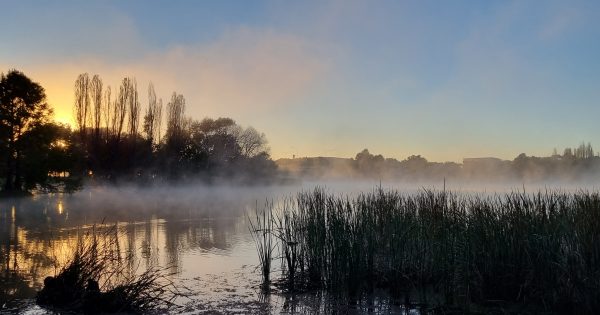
96	96
23	108
120	109
108	110
82	103
130	86
152	118
217	139
369	164
48	157
175	122
252	143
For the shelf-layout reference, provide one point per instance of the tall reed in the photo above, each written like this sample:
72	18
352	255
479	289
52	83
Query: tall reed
539	249
261	229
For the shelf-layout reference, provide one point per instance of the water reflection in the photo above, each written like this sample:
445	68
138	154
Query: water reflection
38	236
201	235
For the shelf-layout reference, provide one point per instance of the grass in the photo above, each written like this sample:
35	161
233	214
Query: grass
539	251
98	279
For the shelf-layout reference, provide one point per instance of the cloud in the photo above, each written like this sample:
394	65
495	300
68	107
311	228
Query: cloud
245	70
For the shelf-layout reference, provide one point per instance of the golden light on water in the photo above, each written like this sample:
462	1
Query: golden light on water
59	207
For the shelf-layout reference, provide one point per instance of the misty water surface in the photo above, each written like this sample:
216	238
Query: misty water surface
199	232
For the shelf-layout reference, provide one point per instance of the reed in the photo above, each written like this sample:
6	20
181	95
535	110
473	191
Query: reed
97	279
537	250
261	229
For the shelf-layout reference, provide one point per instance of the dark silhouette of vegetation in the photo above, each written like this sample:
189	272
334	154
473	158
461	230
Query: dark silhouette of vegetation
96	280
116	138
32	147
576	164
530	252
120	149
112	140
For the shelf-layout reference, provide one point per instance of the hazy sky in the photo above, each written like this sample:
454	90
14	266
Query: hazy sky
444	79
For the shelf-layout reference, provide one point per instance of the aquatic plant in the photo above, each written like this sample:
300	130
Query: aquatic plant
286	233
261	229
537	250
97	279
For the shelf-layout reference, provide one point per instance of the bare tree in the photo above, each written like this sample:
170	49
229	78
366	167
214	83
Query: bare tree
82	103
159	119
134	108
96	96
108	110
175	118
251	142
120	107
152	118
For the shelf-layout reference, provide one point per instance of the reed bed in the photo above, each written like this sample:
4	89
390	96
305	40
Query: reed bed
537	250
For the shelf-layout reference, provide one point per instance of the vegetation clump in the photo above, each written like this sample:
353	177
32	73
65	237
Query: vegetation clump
96	280
537	251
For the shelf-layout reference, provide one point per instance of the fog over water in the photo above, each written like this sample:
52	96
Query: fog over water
200	232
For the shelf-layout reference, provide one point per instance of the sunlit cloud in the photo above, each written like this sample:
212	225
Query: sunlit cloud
243	71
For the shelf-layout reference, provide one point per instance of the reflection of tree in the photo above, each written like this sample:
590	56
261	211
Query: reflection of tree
25	260
203	234
39	236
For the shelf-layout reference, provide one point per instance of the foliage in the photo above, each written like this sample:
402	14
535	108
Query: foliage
31	146
209	149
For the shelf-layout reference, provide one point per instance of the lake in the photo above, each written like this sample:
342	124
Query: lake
199	233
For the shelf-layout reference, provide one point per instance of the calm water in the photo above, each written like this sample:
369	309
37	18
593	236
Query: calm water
199	233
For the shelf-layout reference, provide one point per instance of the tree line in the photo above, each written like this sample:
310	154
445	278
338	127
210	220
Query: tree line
115	137
575	164
123	138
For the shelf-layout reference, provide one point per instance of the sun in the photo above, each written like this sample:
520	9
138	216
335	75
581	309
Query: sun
63	117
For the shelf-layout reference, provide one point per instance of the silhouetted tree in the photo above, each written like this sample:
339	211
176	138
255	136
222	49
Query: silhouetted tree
251	142
120	108
82	104
133	104
49	157
175	138
175	120
23	108
96	97
152	118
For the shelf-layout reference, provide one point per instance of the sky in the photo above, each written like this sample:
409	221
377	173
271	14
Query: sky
443	79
